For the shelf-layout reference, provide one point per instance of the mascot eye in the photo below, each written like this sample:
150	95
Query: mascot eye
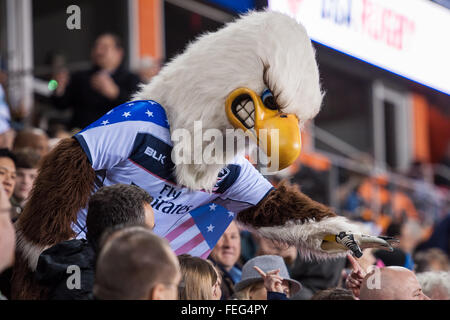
269	100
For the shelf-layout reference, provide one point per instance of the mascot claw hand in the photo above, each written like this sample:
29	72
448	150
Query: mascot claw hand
356	243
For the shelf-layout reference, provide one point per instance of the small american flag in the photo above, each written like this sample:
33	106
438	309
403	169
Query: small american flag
198	231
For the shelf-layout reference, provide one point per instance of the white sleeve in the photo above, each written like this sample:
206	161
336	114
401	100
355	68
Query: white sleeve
111	139
108	145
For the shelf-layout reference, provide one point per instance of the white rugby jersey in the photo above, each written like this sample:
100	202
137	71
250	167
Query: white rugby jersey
131	145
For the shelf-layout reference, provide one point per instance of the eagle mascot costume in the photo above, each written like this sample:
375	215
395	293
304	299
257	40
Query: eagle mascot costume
257	73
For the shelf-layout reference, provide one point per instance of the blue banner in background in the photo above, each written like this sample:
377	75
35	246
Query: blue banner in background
238	6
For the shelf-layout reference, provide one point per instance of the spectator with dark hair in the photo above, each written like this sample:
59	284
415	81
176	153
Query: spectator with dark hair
118	204
8	171
27	167
333	294
136	264
110	206
92	93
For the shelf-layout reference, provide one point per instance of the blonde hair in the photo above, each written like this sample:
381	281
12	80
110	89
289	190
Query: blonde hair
198	276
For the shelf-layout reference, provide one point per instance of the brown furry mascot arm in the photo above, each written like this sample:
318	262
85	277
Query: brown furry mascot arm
63	186
287	215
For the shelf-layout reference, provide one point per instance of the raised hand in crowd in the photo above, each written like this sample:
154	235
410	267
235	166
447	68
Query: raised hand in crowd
354	280
272	281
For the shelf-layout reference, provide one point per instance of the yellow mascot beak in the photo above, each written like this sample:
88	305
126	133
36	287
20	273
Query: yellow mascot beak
277	133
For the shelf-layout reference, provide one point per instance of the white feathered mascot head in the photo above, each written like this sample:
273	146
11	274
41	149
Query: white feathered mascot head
263	62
